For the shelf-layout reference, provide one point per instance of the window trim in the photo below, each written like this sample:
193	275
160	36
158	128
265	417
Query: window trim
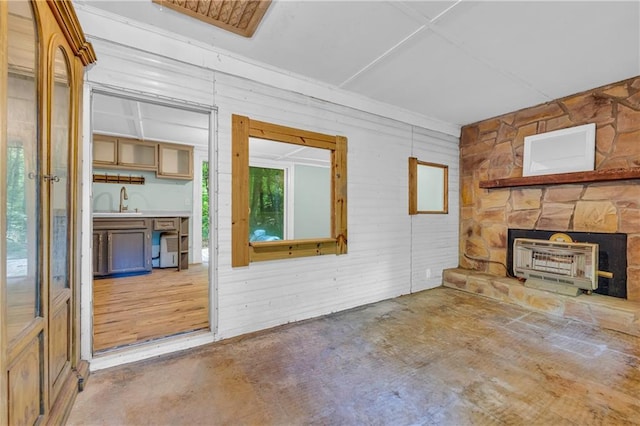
243	252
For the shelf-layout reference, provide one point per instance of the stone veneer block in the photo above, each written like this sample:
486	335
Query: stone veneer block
555	216
563	193
602	311
624	194
630	221
523	219
479	284
595	216
633	291
604	138
526	199
633	249
543	301
628	119
457	279
627	145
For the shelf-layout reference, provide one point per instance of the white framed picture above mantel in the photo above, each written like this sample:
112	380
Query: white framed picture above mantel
560	151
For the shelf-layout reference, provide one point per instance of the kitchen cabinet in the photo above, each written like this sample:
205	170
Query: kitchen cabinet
180	227
121	246
137	154
175	161
183	243
124	153
105	150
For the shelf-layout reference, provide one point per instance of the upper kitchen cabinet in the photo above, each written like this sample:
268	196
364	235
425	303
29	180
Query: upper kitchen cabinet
176	161
42	60
105	150
131	154
137	154
168	160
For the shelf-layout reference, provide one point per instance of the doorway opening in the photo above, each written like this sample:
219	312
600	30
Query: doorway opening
150	218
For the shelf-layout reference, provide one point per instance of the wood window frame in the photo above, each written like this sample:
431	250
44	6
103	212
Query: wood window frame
413	187
242	251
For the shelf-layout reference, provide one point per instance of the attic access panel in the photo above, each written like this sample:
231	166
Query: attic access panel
239	17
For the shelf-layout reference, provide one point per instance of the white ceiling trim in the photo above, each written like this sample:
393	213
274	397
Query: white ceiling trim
108	26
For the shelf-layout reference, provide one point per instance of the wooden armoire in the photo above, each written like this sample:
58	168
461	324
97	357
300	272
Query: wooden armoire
42	60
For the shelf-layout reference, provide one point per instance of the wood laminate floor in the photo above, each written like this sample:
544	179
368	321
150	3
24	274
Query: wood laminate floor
436	357
139	308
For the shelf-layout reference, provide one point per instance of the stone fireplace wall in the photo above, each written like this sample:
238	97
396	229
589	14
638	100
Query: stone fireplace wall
493	149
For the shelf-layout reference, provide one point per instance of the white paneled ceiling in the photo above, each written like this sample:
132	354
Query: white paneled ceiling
456	61
279	152
119	116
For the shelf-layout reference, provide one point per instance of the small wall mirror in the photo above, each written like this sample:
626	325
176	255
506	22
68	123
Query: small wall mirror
428	187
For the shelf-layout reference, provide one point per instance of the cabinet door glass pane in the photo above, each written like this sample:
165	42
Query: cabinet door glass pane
22	174
137	154
175	161
104	151
60	176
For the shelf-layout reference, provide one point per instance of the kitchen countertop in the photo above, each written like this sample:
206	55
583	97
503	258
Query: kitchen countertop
147	213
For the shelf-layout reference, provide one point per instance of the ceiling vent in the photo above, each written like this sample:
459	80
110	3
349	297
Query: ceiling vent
240	17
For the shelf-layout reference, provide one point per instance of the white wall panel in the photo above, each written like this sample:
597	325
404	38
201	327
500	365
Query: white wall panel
378	264
138	71
434	237
388	249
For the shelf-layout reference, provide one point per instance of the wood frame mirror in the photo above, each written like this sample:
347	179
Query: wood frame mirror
243	251
428	187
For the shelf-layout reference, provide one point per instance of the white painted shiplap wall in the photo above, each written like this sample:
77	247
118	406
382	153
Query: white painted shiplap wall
434	237
389	251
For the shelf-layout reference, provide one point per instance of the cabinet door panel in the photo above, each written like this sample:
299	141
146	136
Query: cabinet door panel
59	345
104	150
175	161
25	387
129	251
98	253
137	154
60	213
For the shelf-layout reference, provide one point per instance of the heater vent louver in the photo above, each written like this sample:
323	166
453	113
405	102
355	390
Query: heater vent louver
563	267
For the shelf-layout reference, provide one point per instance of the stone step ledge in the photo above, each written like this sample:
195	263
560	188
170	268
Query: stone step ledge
602	311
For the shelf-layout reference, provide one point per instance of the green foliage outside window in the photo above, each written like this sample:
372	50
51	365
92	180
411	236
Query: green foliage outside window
266	201
16	204
205	204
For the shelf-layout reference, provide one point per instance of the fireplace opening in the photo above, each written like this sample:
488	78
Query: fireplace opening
612	256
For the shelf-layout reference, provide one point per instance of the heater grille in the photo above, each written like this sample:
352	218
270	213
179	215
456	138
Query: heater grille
557	263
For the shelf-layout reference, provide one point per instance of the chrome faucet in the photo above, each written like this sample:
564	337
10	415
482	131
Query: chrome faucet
123	196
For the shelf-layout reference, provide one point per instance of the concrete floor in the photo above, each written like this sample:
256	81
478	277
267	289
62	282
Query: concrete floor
437	357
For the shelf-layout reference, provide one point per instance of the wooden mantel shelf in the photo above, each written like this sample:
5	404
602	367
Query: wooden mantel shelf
562	178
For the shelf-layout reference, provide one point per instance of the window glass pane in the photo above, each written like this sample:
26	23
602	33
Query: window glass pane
430	188
305	206
60	172
267	204
22	174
